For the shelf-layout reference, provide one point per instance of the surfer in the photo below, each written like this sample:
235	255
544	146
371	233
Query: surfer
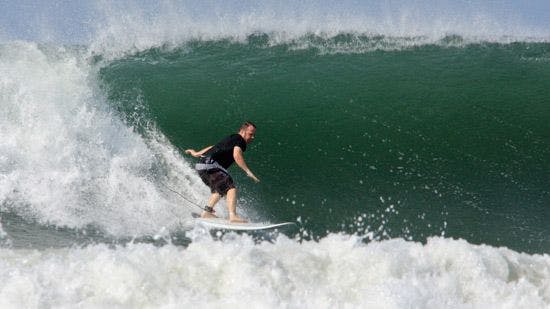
213	164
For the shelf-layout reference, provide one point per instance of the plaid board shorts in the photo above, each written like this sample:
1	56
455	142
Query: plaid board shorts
217	180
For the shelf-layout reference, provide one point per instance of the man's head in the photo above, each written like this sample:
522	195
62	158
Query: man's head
247	131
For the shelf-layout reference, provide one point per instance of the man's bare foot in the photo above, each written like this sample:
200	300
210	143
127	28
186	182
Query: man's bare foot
233	218
206	214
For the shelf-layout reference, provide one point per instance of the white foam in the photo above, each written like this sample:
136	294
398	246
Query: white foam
338	271
4	240
67	159
128	27
114	28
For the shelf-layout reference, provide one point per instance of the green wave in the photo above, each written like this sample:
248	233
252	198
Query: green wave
448	138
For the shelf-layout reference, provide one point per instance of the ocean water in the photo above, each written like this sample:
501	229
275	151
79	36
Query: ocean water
413	155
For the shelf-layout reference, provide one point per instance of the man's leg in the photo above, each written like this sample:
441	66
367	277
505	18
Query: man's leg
214	198
232	206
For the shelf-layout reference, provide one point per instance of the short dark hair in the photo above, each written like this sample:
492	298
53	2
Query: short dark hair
247	124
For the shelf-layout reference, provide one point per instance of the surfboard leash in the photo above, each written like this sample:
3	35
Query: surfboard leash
185	198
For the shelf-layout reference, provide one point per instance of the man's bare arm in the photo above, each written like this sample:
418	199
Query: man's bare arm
197	154
239	159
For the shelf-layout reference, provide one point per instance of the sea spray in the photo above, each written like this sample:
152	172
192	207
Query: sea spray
130	27
68	160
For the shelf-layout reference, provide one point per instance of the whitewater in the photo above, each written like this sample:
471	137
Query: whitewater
86	220
338	271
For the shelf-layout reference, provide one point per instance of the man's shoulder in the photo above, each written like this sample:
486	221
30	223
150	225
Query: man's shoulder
233	140
235	137
238	141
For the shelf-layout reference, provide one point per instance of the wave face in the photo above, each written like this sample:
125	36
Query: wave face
430	140
408	142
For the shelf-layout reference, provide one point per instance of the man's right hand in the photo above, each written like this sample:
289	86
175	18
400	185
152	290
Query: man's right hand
252	176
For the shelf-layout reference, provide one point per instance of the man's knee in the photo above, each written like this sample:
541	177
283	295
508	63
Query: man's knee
232	192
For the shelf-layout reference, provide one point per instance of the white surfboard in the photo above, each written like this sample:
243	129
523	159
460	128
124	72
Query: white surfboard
219	223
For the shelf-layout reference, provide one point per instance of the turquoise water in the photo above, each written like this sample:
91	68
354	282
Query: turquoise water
437	139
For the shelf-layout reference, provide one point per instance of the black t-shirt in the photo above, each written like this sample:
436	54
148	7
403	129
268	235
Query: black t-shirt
222	152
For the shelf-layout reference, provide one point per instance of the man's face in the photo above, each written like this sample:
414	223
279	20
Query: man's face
248	134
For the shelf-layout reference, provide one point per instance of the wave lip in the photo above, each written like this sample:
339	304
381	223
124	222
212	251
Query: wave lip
131	28
113	29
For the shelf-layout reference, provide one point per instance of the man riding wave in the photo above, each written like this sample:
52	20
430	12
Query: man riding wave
213	164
